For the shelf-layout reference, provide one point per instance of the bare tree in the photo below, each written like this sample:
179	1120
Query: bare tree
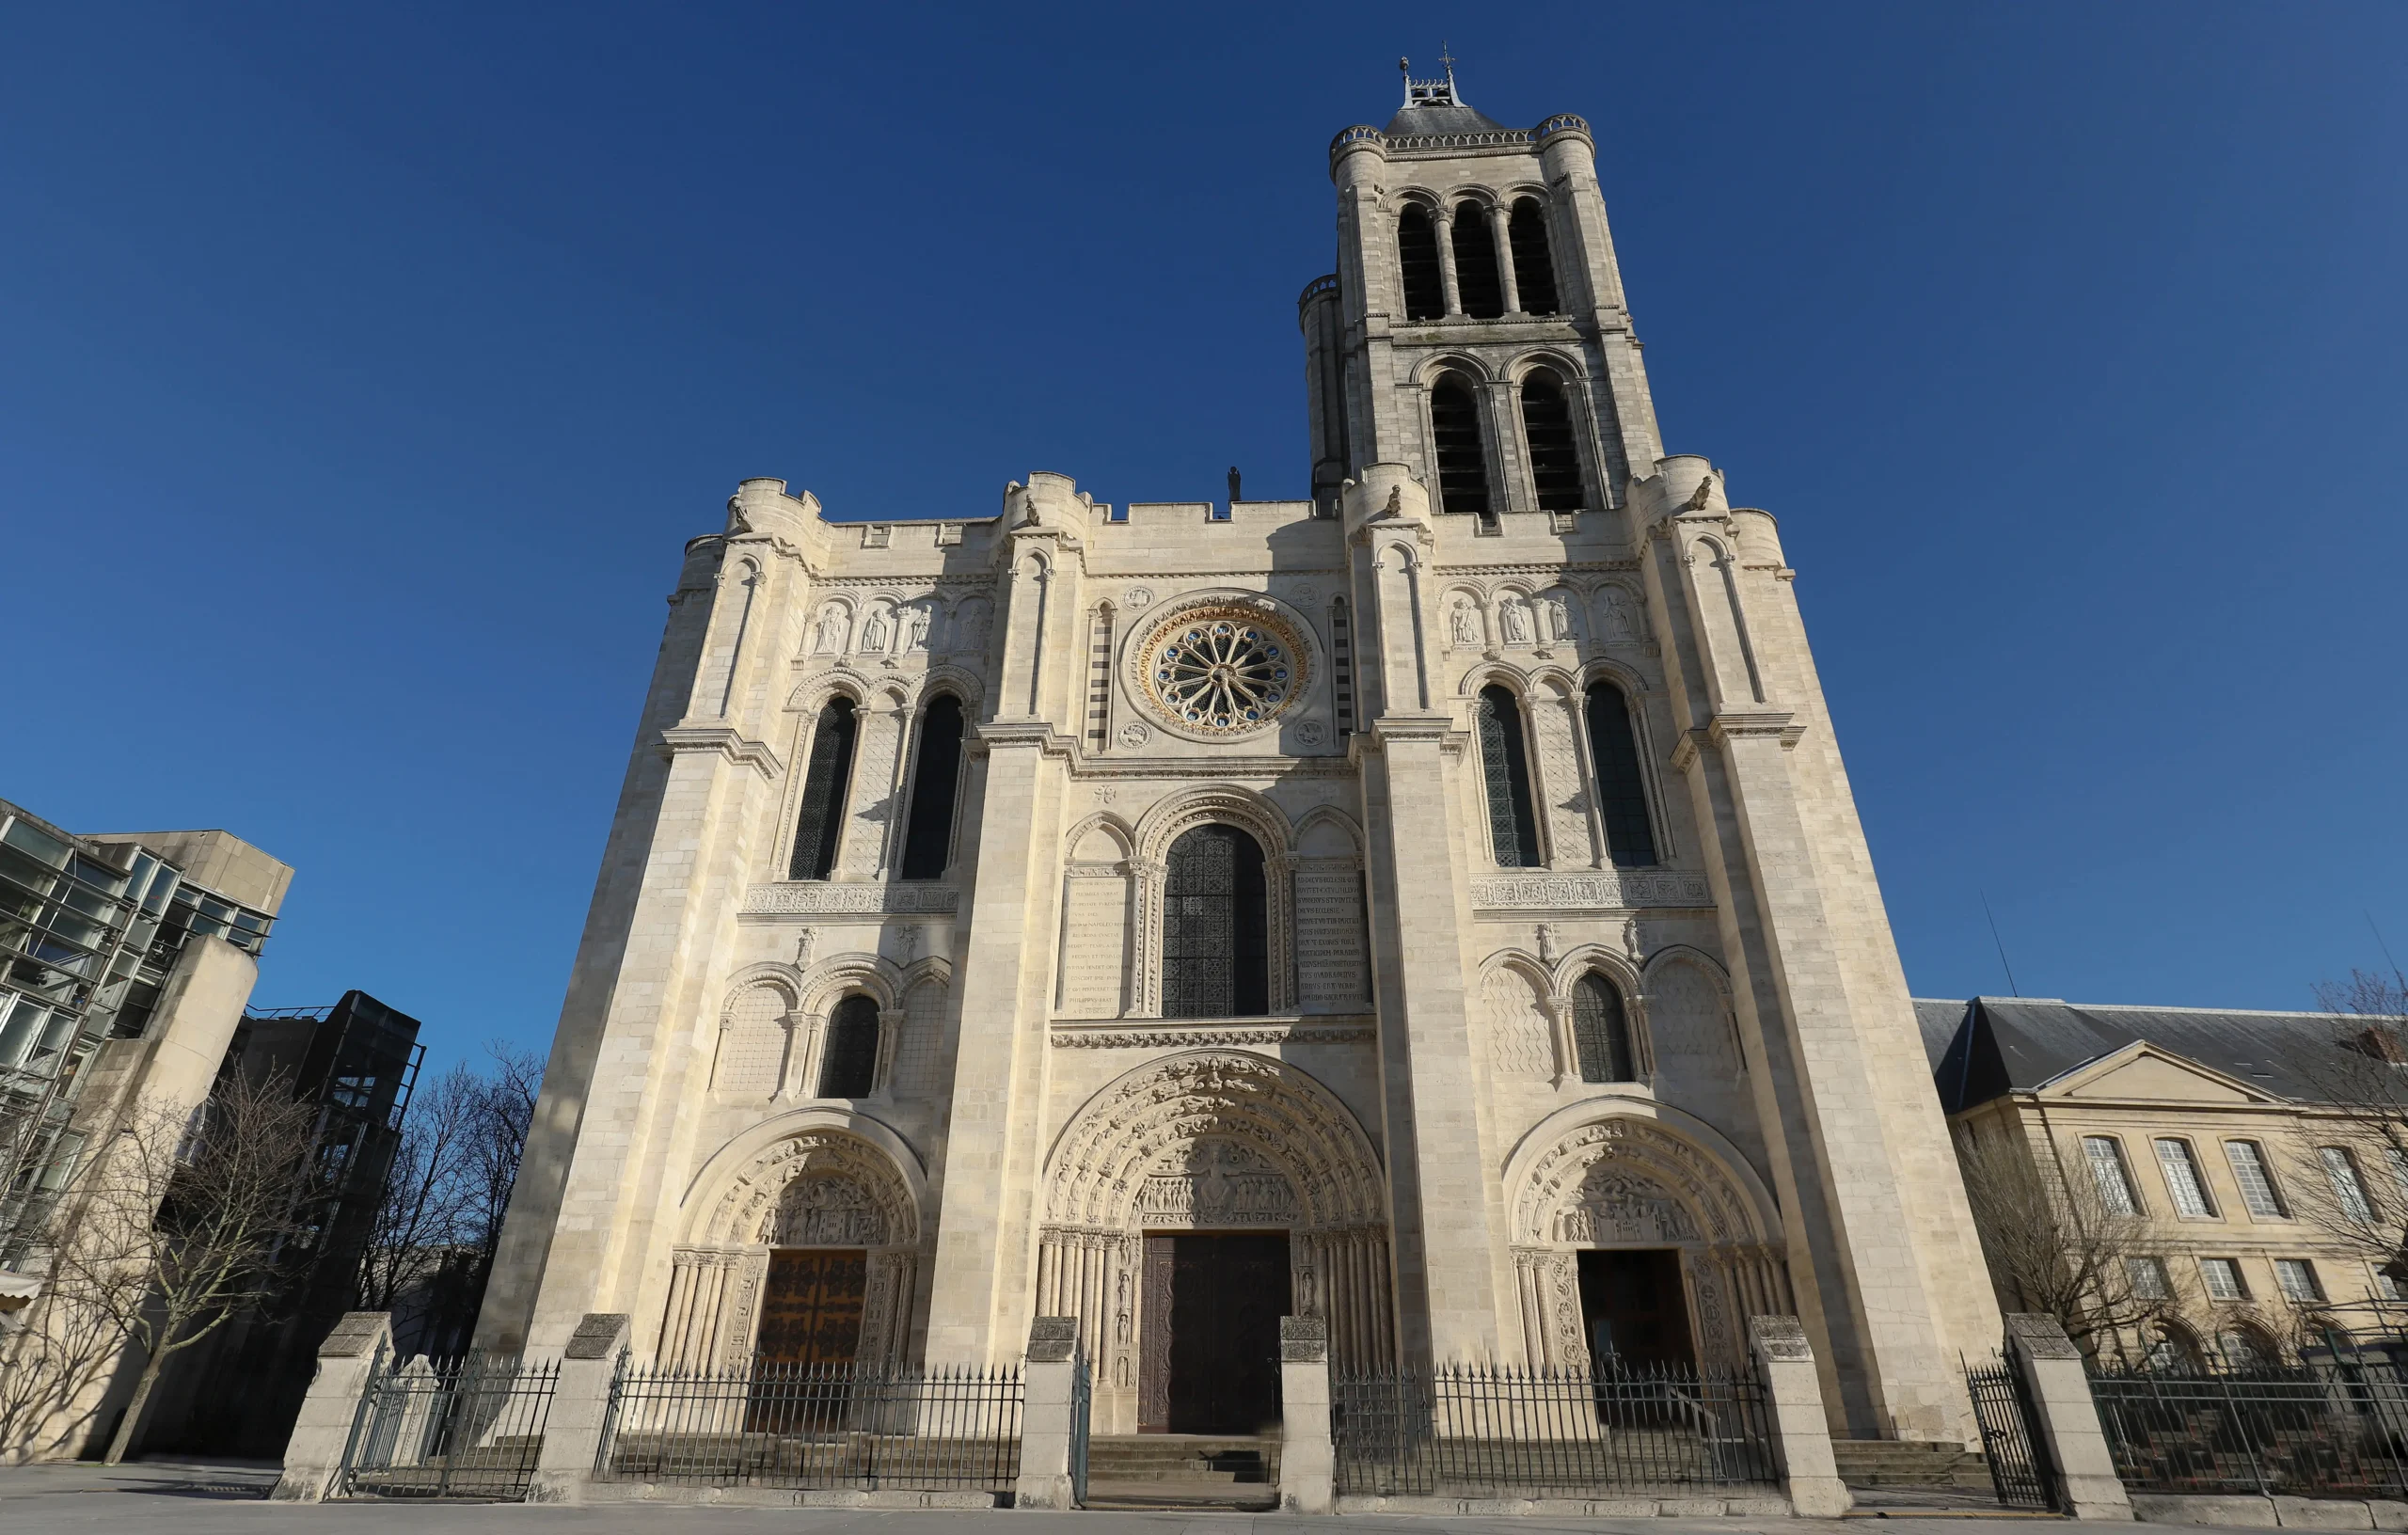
181	1220
2355	1188
2053	1242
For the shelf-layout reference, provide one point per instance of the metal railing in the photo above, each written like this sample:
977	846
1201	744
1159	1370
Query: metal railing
2332	1427
2012	1443
816	1427
468	1427
1494	1431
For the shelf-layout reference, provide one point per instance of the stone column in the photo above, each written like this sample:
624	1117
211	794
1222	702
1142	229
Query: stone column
1501	230
2058	1385
1802	1435
1308	1460
1047	1428
580	1410
1444	222
347	1364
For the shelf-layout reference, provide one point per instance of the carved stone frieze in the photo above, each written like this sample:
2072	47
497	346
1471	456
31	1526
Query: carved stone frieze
1088	1036
806	897
1613	889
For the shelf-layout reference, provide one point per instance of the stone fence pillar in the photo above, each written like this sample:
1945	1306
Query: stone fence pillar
2058	1387
1050	1383
347	1364
580	1410
1801	1435
1306	1460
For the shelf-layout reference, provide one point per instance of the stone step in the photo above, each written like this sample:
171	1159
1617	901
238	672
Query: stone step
1896	1462
1183	1458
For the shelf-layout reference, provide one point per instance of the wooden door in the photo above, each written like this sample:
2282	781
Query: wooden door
812	1311
1210	1353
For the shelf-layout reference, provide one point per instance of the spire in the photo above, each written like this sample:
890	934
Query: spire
1432	92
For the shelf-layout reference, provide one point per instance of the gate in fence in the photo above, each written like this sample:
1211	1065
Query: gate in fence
1082	1396
470	1427
2011	1439
816	1427
2334	1425
1494	1431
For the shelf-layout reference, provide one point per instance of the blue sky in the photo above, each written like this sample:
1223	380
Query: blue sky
363	369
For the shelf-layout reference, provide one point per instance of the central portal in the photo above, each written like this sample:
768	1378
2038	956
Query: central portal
811	1313
1211	1358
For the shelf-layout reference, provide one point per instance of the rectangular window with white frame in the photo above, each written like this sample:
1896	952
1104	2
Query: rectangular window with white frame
2188	1189
2222	1276
2388	1288
2297	1278
2107	1170
2257	1180
2349	1189
2148	1278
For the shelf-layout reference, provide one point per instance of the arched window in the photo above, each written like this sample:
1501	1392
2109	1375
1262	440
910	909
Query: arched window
1504	763
1622	789
1533	266
1416	252
1217	955
1555	463
848	1061
1476	284
1462	458
927	835
1600	1032
821	824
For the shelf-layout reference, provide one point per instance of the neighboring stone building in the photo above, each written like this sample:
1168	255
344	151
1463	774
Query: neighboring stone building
2267	1153
1436	905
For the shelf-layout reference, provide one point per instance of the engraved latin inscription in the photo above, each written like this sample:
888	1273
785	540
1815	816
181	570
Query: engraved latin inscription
1331	976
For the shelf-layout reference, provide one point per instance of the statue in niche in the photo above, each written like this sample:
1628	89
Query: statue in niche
1559	619
1619	623
1515	620
873	634
1466	623
915	633
830	640
970	627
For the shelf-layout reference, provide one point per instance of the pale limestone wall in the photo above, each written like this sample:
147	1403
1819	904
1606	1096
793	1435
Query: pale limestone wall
1779	1135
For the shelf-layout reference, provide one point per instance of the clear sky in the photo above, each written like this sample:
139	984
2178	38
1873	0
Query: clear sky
362	371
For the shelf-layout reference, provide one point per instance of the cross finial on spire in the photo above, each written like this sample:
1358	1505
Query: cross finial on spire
1447	57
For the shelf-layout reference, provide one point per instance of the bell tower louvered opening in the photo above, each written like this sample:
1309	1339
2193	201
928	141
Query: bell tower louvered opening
1462	456
1533	261
1416	249
1475	280
1555	460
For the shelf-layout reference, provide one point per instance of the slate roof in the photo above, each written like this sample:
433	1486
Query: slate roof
1416	121
1991	1045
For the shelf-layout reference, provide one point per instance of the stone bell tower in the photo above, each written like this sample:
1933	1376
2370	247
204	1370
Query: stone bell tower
1480	418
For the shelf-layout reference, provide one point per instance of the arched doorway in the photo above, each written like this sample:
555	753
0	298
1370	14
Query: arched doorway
1189	1206
1641	1241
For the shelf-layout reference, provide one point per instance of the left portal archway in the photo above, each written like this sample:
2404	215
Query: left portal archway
816	1206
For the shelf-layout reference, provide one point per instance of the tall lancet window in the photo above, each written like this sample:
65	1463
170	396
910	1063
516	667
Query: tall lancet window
1417	254
1216	954
927	835
1555	462
1475	280
821	823
1622	788
1504	762
1601	1031
848	1061
1533	265
1462	456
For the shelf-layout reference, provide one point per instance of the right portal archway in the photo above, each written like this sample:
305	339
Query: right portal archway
1637	1232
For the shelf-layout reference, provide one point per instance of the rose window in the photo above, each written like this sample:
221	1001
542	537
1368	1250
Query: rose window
1224	669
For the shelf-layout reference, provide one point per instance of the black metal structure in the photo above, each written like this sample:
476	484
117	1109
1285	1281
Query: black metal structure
465	1428
2011	1439
2333	1425
1496	1432
816	1427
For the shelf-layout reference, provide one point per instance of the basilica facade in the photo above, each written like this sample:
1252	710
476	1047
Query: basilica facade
1437	906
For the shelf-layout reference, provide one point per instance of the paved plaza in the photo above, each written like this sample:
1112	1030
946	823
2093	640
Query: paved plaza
230	1499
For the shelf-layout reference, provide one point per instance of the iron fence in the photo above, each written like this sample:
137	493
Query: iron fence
2329	1426
1496	1432
2012	1444
816	1427
468	1427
